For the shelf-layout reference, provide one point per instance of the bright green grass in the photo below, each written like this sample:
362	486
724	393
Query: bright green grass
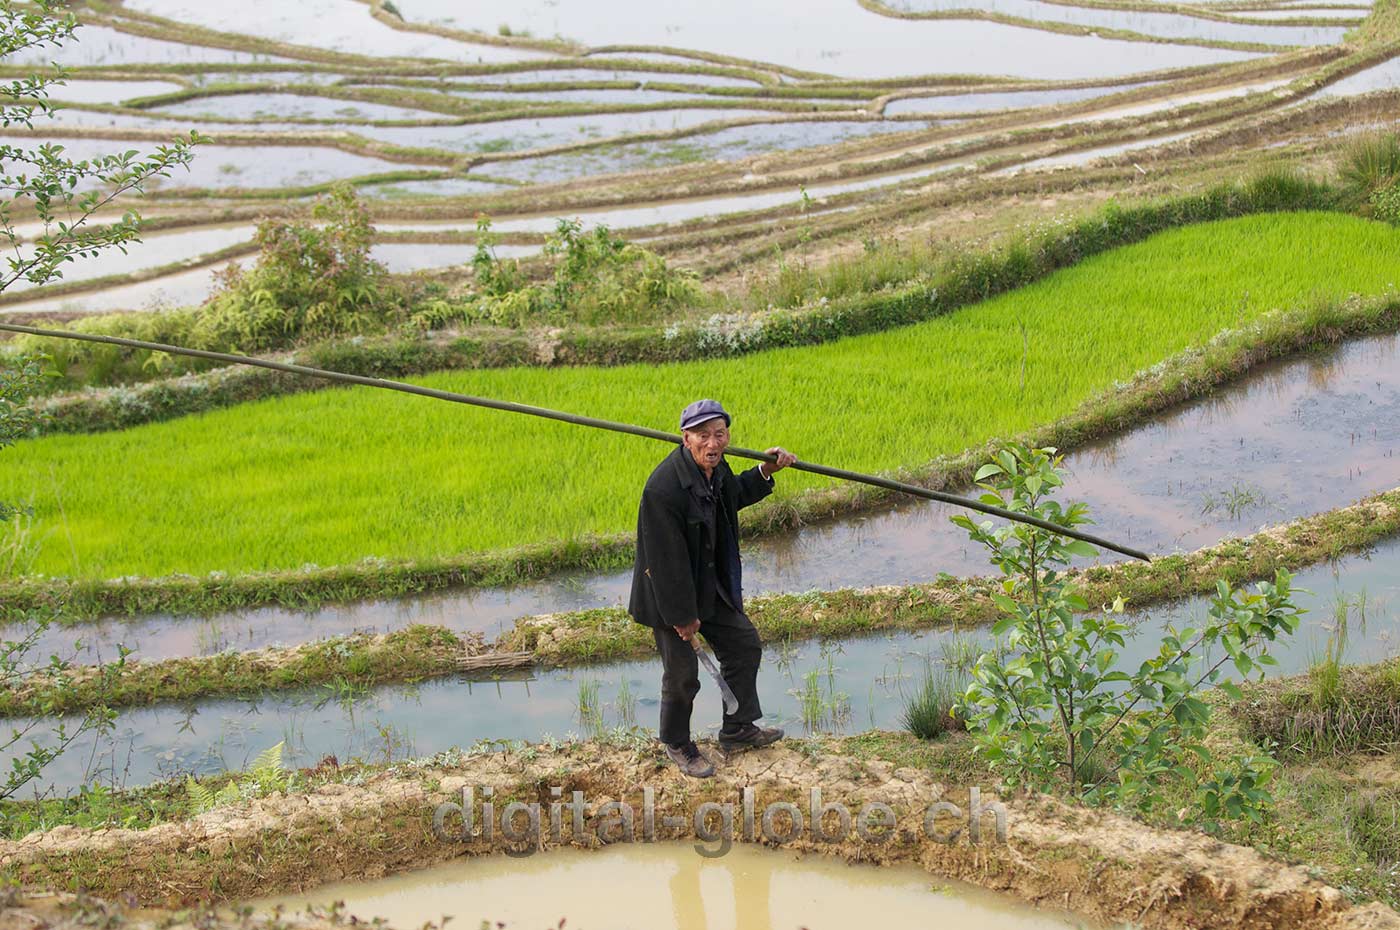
331	477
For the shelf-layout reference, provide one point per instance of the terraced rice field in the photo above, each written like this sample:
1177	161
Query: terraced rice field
438	114
331	478
807	168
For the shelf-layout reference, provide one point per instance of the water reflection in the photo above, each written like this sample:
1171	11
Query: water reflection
810	686
670	886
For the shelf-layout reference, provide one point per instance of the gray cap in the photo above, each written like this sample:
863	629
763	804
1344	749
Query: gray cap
701	411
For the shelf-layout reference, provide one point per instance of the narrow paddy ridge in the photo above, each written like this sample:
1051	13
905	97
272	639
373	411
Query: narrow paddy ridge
337	476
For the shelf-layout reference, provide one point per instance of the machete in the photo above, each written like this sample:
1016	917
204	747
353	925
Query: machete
731	703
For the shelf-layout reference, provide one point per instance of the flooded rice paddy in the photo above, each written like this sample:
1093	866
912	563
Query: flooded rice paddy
110	92
1291	439
288	106
836	37
228	166
850	686
717	145
153	251
528	67
546	132
669	886
991	101
337	25
93	46
1384	76
180	289
1163	25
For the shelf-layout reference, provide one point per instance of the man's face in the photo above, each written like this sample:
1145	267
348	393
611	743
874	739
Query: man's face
707	442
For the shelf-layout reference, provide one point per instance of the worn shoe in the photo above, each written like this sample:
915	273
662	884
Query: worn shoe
749	737
689	759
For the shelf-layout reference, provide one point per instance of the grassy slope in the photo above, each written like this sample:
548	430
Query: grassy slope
332	477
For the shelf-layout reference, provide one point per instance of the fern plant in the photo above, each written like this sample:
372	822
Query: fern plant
266	775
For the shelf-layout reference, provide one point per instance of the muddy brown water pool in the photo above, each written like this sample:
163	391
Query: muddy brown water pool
846	686
668	885
1290	439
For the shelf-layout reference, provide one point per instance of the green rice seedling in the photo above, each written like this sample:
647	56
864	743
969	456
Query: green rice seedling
1234	500
626	704
344	691
785	653
334	476
809	701
1325	671
960	652
393	743
588	706
1325	676
821	708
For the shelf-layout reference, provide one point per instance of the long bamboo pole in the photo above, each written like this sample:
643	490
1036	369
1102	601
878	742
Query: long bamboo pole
510	407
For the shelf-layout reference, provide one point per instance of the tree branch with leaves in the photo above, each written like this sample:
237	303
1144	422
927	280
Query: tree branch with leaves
1052	705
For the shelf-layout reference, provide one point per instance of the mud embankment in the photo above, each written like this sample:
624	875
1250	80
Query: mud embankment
375	823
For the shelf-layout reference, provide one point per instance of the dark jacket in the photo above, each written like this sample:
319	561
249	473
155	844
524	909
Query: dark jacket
674	581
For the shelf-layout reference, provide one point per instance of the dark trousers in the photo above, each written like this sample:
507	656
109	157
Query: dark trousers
737	647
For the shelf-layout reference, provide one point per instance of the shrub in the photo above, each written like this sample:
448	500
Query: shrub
1385	203
596	278
1055	707
310	281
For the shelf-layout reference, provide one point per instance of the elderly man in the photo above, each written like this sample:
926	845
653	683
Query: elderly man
687	580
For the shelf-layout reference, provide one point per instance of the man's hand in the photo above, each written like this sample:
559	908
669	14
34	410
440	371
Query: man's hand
688	631
785	458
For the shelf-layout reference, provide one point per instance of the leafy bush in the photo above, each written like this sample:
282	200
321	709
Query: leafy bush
1056	708
597	278
310	281
1385	203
